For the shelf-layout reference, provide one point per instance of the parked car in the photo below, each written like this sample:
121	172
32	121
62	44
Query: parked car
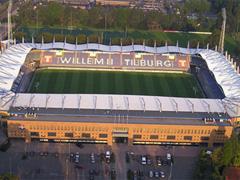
150	174
71	157
162	174
108	156
159	162
143	160
149	162
156	174
92	158
169	157
77	157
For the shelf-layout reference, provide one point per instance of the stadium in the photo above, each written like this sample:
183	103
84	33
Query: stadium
132	94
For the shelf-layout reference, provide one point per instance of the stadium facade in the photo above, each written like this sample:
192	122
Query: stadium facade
111	118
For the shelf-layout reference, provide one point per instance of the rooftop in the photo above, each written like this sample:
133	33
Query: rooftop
119	117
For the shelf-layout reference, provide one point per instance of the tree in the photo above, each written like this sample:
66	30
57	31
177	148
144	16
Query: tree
48	37
95	16
121	18
81	39
115	41
152	20
59	38
8	176
71	39
214	38
52	14
197	6
19	35
93	38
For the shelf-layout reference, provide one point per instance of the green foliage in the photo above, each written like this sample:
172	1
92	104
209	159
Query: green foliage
197	6
227	153
59	38
81	39
71	39
8	176
93	38
55	14
211	167
115	41
51	14
48	37
61	16
19	35
129	175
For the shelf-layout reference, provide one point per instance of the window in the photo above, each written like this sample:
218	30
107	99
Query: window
187	138
220	132
102	135
86	135
204	138
154	137
51	134
68	134
137	136
34	133
171	137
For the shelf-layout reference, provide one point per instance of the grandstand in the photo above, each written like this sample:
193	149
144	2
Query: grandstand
108	117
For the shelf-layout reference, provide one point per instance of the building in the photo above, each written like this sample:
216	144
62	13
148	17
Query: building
121	3
83	4
117	118
97	130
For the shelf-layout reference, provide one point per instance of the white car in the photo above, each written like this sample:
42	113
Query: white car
77	157
169	157
92	157
208	152
108	154
162	174
144	160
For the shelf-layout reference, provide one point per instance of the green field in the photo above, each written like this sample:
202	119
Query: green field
104	82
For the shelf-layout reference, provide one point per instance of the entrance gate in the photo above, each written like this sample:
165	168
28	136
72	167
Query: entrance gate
120	135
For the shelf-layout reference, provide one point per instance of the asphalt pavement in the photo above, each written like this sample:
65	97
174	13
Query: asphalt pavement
38	160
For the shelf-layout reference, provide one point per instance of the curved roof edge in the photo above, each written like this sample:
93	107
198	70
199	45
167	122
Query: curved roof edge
222	69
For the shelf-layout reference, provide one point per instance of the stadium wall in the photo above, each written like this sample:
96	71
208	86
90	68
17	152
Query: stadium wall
109	133
107	60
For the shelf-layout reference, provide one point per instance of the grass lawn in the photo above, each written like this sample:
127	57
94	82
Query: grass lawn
104	82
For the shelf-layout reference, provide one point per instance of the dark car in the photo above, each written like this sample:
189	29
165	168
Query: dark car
80	145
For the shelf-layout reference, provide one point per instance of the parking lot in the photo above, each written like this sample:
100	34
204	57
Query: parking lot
153	167
38	160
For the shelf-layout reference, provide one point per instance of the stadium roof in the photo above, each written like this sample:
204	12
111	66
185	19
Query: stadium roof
10	63
12	59
118	102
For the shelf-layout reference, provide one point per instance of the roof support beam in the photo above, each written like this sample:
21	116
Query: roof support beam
159	104
63	100
126	101
47	99
95	102
208	106
142	103
191	104
110	102
174	104
31	99
79	102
